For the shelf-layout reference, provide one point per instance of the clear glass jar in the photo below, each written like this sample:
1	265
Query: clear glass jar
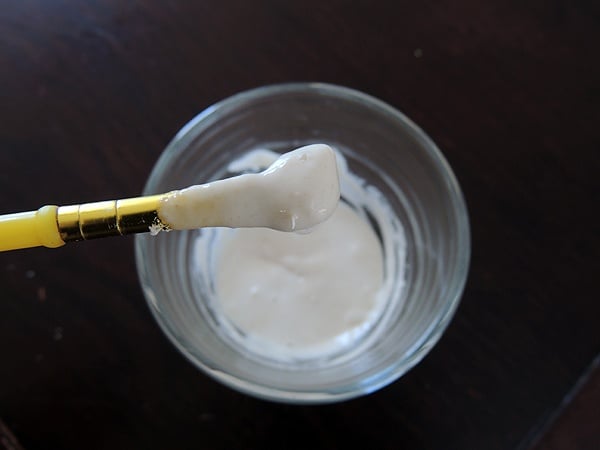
381	146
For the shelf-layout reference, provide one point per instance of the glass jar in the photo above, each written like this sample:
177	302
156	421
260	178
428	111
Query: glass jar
381	146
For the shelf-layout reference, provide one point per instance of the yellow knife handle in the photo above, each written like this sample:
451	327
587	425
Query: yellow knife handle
30	229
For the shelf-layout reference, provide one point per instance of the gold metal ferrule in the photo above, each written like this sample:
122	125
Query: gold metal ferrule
110	218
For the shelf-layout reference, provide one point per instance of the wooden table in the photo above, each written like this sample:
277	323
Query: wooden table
92	91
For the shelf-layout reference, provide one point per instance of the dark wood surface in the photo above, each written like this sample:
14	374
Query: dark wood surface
92	91
575	425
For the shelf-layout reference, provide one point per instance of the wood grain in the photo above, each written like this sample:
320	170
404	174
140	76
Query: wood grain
92	91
